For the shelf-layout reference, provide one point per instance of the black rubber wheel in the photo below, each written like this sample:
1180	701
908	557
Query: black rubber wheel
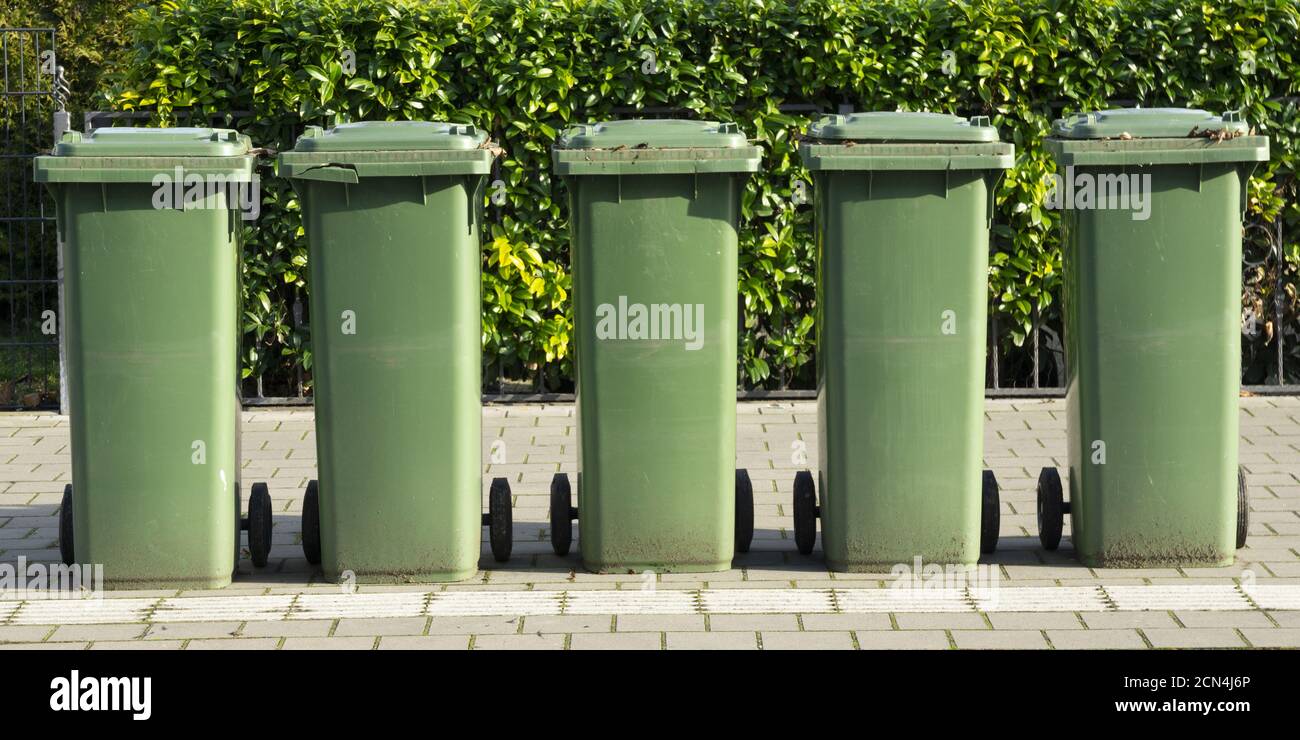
561	514
259	524
805	512
66	550
990	513
311	523
240	525
1051	508
500	520
744	510
1243	509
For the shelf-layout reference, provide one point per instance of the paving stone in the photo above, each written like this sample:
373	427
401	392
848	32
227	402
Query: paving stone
97	632
616	641
661	623
753	622
807	641
1273	638
712	641
846	622
902	639
137	644
527	641
424	642
941	620
1128	620
1209	637
568	624
1223	619
288	628
1034	621
1109	639
24	633
329	643
1283	618
230	643
385	626
999	639
44	645
190	630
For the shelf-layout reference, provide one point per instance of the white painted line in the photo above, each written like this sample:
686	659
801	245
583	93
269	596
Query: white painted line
1274	597
359	606
83	611
631	602
714	601
862	600
767	601
495	603
259	608
1187	598
1040	599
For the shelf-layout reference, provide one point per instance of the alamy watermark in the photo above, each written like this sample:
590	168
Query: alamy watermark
1089	191
78	693
657	321
984	579
42	580
181	190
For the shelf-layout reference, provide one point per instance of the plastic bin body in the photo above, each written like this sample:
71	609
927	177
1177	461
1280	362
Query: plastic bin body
391	212
152	336
903	204
654	212
1152	310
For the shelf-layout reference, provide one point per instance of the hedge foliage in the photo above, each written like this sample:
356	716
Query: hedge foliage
524	69
88	36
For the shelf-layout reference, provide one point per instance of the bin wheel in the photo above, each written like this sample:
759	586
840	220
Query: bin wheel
259	524
561	514
1051	508
311	523
1243	508
66	550
500	520
990	513
744	510
805	512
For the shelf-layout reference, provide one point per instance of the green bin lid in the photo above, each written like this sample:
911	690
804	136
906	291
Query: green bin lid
391	136
654	147
134	155
1153	136
903	126
653	134
1146	123
350	151
902	141
130	141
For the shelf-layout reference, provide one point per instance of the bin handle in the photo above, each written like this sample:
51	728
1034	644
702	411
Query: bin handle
991	180
1243	174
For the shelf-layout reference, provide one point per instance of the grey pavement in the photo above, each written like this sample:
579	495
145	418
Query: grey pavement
773	599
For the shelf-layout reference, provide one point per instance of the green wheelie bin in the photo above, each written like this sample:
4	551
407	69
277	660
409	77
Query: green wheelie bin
1152	203
903	205
150	223
392	212
654	209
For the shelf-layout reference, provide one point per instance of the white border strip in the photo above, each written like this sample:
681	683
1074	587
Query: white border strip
496	603
387	605
1178	598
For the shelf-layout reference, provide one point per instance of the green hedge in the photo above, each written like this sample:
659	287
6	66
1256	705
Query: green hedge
525	69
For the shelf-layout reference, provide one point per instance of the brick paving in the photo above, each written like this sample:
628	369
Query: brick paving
773	599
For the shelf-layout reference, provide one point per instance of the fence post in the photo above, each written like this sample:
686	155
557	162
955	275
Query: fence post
62	122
